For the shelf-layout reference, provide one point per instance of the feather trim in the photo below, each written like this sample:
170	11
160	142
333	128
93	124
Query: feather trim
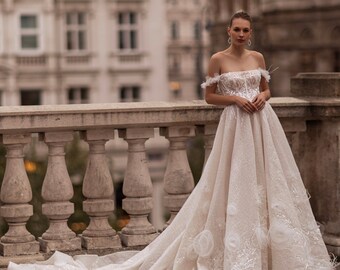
265	74
210	80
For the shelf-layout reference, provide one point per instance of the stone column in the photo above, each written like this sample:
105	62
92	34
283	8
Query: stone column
178	179
16	192
320	153
99	192
137	188
208	132
293	129
57	191
326	182
326	84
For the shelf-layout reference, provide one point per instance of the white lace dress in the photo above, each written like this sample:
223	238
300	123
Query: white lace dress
250	209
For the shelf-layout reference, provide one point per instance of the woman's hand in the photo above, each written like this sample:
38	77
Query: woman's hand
259	101
245	104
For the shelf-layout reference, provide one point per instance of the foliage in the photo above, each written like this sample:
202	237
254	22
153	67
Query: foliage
196	156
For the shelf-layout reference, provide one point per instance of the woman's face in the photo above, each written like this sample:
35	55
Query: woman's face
239	31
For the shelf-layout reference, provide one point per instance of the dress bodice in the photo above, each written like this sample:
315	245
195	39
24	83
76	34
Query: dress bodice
238	83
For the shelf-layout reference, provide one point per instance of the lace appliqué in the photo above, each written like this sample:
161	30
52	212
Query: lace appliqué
265	74
212	80
204	243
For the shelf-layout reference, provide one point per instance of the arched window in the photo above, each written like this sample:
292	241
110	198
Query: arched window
307	34
335	34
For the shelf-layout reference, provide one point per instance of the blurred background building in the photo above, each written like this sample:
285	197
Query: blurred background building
188	47
92	51
82	51
294	35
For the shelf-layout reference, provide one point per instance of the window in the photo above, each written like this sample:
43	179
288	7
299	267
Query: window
336	66
78	95
174	63
174	30
76	31
176	89
197	30
130	93
29	32
307	34
307	61
30	96
127	31
198	62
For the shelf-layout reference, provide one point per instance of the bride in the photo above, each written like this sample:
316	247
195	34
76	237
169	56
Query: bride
250	209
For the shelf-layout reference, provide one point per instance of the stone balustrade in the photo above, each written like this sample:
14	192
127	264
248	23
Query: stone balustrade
307	121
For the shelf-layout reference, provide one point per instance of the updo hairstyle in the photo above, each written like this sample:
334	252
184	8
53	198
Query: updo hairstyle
240	14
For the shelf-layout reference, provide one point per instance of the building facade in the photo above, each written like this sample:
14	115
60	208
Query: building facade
188	47
301	36
82	51
295	36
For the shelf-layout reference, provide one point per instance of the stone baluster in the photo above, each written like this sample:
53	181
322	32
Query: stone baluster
208	132
99	192
137	188
57	191
16	192
178	179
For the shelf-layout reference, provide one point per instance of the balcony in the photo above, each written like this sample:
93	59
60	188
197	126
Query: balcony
31	64
311	125
129	61
77	62
31	60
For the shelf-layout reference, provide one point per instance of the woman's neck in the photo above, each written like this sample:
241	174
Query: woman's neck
237	51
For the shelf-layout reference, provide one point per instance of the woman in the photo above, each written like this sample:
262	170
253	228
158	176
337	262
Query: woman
250	209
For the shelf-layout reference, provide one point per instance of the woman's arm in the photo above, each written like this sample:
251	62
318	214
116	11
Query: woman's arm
260	100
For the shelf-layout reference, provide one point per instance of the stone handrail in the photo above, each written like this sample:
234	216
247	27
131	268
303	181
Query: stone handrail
135	122
144	114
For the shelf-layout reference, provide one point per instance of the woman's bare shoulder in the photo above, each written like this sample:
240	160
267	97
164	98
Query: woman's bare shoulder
215	64
216	60
258	57
256	54
218	55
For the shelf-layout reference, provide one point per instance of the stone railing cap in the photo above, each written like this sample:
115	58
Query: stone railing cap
318	75
145	114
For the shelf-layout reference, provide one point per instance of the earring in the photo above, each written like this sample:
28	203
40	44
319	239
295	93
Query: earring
229	40
249	42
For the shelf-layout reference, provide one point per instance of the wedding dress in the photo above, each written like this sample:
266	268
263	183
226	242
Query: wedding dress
250	209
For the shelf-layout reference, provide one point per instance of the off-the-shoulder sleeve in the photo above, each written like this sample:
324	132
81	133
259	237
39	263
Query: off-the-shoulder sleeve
210	80
265	74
